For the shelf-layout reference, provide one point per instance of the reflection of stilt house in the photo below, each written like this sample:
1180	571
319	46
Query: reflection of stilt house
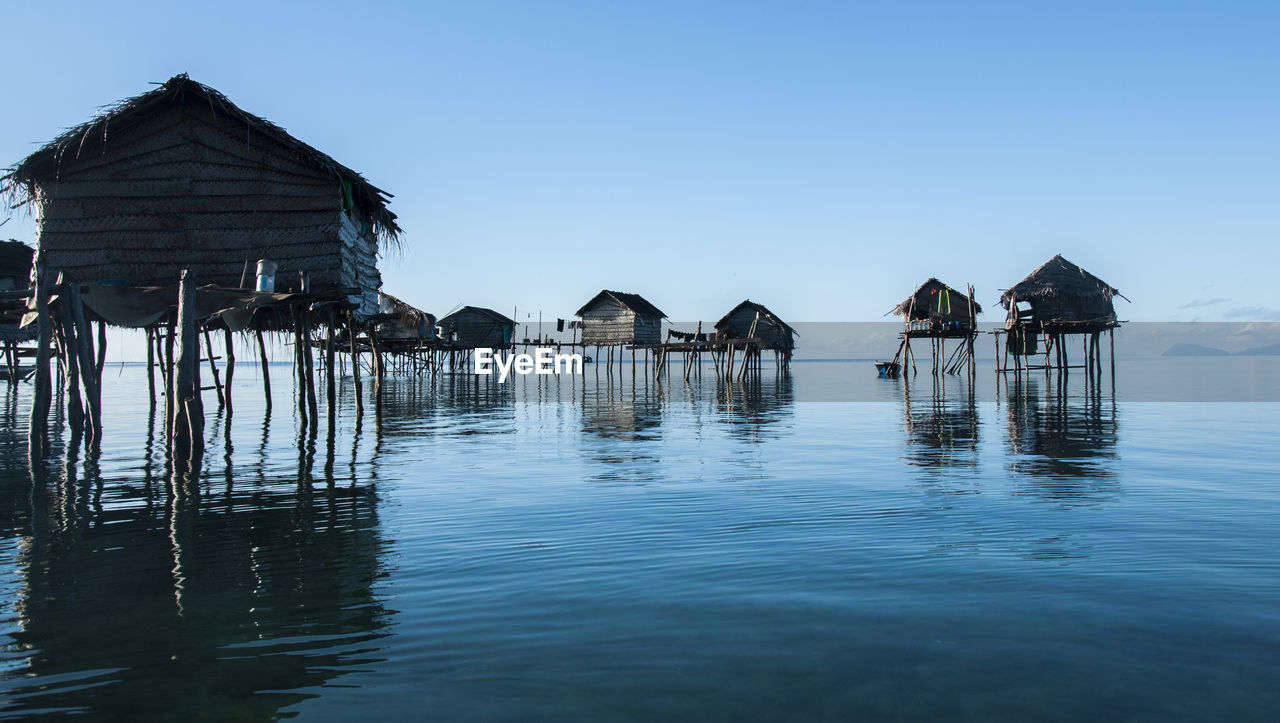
15	287
179	182
1054	302
936	312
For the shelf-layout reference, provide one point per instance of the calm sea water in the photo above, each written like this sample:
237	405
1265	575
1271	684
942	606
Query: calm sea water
601	551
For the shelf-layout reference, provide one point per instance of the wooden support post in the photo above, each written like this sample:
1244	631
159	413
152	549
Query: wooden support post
88	367
71	356
42	397
330	378
213	369
309	369
299	377
230	366
1111	345
102	351
266	367
355	366
170	406
151	366
187	431
375	346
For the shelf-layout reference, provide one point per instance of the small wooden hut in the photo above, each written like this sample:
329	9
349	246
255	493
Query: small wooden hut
750	320
1057	300
473	327
936	312
614	318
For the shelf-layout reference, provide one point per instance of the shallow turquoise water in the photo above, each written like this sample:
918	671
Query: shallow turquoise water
615	551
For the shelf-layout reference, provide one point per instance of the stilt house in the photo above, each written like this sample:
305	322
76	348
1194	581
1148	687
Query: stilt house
938	307
613	318
1060	297
475	326
750	320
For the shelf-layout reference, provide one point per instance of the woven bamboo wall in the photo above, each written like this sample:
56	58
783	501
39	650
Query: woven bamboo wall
609	323
187	188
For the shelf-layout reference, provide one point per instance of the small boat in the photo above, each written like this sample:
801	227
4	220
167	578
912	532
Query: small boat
887	369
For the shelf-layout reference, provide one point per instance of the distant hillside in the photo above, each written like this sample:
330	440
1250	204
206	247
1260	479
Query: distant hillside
1269	350
1194	350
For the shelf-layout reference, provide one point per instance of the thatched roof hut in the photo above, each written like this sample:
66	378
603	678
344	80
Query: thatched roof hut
400	320
181	178
936	302
615	317
773	332
476	326
1059	292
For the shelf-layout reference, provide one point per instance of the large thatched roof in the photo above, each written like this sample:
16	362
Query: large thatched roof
765	315
1058	277
920	300
18	183
634	302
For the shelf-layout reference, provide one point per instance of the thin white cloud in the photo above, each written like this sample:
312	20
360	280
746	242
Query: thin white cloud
1255	313
1196	303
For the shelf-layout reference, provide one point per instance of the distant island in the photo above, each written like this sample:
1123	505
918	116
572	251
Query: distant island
1200	350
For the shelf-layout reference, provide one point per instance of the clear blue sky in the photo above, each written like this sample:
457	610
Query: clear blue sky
821	158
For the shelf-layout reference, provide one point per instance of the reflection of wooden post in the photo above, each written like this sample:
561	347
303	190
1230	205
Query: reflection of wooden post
42	398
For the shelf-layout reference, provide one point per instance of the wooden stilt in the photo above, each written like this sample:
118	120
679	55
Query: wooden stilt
75	405
213	369
330	380
88	367
266	367
229	343
151	366
188	423
42	396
